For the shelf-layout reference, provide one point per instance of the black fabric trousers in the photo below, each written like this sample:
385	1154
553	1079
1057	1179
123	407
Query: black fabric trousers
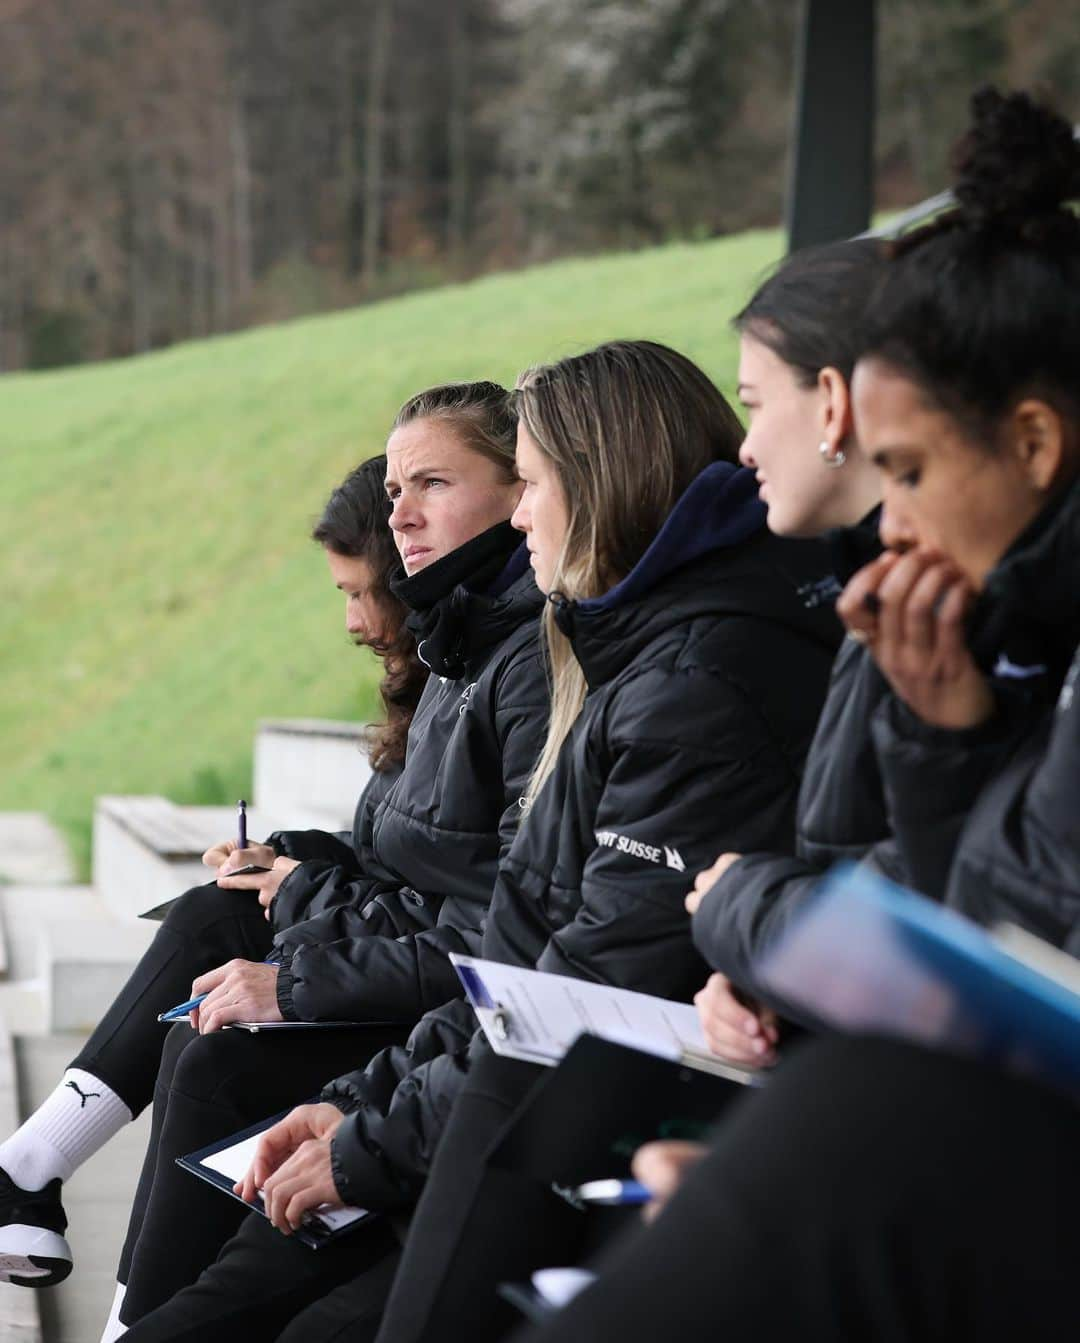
209	1087
206	927
873	1193
476	1226
268	1286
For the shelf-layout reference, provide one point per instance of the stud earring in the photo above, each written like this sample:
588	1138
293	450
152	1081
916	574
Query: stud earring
832	460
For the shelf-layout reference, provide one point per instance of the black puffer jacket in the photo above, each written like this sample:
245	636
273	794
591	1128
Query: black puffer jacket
329	859
706	668
842	814
870	793
1007	789
375	947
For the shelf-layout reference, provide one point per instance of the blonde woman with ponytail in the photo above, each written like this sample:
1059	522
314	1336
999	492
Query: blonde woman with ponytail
689	655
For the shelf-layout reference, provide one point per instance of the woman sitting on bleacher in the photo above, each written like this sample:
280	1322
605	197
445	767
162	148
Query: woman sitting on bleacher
798	348
689	664
120	1060
424	882
878	1190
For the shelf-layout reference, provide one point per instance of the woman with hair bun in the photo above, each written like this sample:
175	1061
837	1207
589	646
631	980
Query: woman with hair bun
878	1190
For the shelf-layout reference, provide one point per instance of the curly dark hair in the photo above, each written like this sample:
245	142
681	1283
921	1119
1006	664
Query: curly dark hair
354	524
978	307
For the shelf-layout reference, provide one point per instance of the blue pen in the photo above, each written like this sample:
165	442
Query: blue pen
613	1192
175	1013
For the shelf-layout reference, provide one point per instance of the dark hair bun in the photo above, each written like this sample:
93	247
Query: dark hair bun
1016	166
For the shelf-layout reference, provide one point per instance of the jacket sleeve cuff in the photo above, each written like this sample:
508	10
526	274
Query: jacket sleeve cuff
358	1178
906	726
283	910
284	992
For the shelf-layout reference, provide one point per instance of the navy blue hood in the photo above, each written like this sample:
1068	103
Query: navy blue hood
719	508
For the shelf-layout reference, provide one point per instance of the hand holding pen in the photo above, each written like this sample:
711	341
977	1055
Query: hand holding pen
236	991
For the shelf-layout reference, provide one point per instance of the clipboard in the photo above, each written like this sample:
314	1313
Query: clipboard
869	956
320	1228
585	1118
535	1017
157	914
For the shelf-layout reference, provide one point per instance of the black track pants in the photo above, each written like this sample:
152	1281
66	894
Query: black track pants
205	928
211	1086
268	1286
873	1193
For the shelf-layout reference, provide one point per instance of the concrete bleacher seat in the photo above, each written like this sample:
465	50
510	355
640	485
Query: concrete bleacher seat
308	775
32	849
148	849
68	957
310	771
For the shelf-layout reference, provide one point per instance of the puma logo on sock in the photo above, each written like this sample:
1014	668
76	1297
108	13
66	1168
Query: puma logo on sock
84	1096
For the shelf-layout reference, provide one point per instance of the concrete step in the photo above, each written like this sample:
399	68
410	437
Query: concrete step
310	771
68	957
24	910
20	1318
85	963
148	849
32	850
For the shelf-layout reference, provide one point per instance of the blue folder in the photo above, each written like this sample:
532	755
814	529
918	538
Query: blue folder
868	956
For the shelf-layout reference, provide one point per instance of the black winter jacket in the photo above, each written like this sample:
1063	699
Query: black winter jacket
842	815
1008	789
706	670
326	858
871	791
374	946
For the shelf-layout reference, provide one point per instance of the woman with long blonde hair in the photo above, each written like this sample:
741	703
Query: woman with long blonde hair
689	655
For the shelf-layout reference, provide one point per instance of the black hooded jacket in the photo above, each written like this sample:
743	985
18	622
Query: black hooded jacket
706	670
842	812
998	803
374	946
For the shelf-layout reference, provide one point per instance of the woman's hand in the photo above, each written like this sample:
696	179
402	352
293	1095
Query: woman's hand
707	878
662	1166
228	854
747	1035
266	883
910	610
292	1166
237	991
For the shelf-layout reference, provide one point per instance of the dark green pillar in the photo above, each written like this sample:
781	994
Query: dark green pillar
831	187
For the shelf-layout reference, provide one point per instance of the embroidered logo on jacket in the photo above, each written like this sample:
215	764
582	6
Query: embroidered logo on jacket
636	848
466	695
1014	671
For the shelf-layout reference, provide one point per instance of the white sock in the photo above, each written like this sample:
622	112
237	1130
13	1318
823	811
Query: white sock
80	1116
113	1325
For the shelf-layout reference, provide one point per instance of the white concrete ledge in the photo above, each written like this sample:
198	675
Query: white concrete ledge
148	849
310	771
32	850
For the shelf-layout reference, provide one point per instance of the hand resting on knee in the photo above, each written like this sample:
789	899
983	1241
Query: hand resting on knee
236	991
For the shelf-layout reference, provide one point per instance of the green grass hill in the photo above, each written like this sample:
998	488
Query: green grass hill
159	590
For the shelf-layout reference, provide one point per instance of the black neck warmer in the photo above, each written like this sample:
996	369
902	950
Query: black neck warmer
438	596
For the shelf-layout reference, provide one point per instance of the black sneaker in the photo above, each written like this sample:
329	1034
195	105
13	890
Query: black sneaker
33	1251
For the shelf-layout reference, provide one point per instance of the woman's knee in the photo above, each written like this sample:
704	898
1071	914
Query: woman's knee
203	905
206	1064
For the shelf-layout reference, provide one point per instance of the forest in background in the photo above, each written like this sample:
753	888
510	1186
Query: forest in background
171	169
